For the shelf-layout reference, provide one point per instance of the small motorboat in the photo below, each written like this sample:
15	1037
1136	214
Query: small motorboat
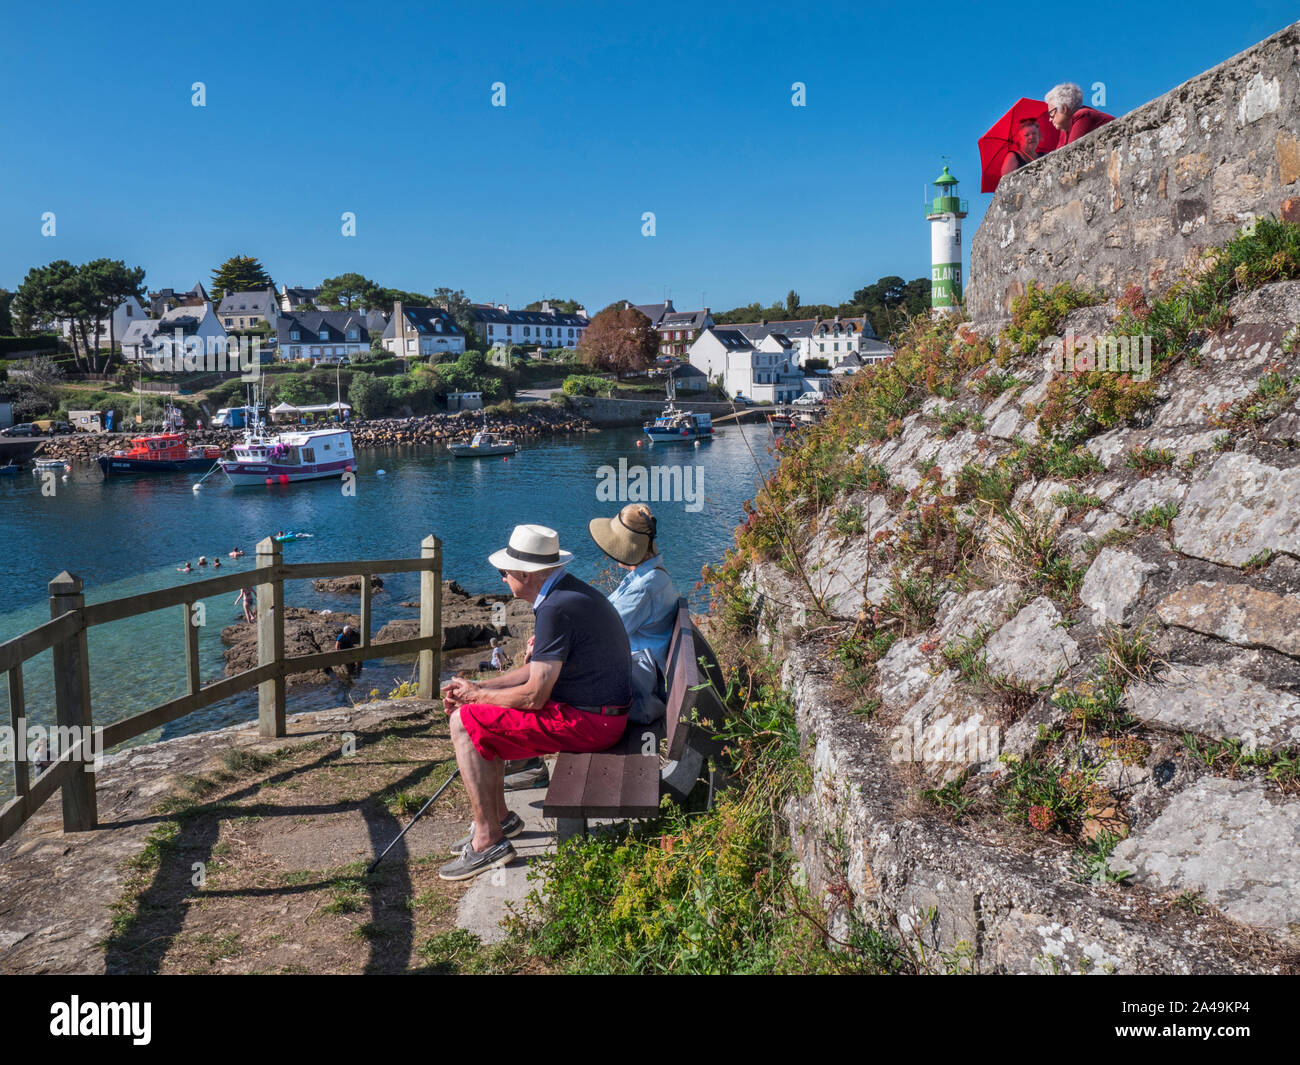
675	426
9	468
483	444
52	464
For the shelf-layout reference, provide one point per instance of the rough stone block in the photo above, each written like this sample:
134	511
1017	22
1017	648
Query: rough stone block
1225	840
1237	613
1216	701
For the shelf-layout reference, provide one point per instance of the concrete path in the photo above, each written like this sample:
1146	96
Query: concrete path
490	895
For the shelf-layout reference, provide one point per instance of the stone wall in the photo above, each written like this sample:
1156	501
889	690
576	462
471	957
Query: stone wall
1138	200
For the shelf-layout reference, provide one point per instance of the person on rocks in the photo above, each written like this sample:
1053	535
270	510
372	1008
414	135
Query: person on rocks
573	694
349	637
247	598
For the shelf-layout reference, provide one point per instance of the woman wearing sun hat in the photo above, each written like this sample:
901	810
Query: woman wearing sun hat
646	600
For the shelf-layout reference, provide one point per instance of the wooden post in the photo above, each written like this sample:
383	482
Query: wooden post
191	649
270	639
17	710
431	616
365	610
72	702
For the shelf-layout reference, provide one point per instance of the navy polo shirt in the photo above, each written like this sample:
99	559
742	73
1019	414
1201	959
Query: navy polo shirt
578	627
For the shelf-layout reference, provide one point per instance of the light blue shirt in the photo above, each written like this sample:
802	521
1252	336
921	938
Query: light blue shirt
646	600
546	588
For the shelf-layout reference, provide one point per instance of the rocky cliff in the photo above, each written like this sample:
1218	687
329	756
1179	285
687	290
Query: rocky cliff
1035	589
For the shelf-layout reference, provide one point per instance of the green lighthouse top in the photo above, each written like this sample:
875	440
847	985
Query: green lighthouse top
945	200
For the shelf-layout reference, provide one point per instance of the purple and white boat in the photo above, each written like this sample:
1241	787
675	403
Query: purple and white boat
279	459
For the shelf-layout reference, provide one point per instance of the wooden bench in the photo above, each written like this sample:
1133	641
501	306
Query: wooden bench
626	781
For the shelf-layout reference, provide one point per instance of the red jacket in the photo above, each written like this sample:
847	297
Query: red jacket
1084	120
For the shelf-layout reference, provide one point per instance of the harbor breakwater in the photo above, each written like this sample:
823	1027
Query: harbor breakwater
537	420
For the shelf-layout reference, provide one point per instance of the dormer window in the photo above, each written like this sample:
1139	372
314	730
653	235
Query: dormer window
324	334
352	334
293	333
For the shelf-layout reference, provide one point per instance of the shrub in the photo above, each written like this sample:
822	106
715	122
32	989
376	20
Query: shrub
587	385
1037	313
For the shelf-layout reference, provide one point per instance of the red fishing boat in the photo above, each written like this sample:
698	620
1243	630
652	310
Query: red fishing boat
159	453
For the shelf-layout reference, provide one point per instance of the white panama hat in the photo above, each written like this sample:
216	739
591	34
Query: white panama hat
532	548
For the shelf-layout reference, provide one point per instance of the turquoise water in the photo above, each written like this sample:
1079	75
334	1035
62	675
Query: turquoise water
129	535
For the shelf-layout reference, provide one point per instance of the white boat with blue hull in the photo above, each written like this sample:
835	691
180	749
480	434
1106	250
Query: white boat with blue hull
679	426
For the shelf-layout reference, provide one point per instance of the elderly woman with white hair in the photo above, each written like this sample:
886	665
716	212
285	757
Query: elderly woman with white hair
1066	112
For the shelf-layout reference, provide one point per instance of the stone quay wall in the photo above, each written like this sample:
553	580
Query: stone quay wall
1138	200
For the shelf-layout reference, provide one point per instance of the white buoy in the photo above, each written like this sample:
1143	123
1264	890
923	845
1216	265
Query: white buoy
697	443
381	473
196	487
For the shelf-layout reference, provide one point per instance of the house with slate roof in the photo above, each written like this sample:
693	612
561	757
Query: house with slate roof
165	299
198	328
759	371
677	329
832	339
248	310
322	335
548	327
293	298
421	332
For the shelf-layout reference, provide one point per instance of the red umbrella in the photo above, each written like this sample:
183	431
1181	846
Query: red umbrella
1004	135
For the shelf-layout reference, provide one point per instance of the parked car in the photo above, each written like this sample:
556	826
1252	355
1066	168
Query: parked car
21	429
809	399
61	428
742	400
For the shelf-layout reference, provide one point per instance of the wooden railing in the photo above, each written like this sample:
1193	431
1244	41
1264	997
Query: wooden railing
64	635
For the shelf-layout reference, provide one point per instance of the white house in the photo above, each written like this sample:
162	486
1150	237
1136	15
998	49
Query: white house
548	327
832	339
420	332
318	335
183	330
128	311
759	372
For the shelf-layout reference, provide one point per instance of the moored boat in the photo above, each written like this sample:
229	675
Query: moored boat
158	453
675	425
484	443
286	457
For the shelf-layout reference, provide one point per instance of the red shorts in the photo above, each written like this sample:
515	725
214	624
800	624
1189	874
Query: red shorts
504	732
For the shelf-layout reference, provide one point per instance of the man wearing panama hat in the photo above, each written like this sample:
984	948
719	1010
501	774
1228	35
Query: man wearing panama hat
572	695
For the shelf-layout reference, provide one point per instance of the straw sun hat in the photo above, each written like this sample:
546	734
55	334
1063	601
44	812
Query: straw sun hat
531	548
628	538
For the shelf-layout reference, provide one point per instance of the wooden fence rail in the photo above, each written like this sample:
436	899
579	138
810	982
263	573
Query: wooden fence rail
64	635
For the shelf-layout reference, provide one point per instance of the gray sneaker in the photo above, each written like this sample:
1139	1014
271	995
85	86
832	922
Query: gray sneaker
472	862
523	775
510	827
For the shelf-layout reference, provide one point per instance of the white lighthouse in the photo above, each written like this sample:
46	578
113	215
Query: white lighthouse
944	211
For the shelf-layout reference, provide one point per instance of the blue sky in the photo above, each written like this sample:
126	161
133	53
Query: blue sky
612	110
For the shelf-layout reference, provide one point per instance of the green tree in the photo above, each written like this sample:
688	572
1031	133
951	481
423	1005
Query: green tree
106	284
239	273
6	319
791	303
349	290
369	395
54	291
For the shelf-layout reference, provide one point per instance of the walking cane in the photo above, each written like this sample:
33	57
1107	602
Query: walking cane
445	786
